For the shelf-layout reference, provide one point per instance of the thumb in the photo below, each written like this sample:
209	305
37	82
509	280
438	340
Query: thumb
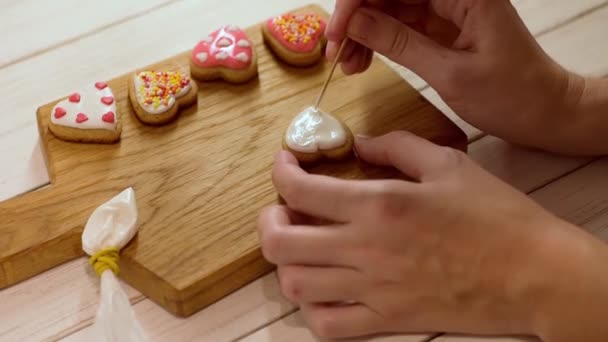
416	157
381	32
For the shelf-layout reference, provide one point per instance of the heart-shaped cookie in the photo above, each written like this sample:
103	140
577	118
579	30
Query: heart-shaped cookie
85	116
227	53
297	39
314	135
157	96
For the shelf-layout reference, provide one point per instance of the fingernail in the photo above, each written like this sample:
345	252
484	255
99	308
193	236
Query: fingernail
363	137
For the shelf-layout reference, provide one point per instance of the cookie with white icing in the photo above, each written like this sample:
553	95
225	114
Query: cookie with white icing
226	54
88	115
314	135
297	39
158	96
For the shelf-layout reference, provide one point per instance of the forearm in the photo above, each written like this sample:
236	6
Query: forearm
574	303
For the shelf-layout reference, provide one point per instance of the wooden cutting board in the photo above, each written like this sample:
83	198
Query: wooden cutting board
200	181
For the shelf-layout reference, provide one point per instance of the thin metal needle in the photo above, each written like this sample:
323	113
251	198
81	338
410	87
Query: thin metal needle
331	72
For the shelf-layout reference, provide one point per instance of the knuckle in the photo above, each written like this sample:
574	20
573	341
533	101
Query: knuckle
291	193
272	243
388	199
291	287
452	158
399	43
325	326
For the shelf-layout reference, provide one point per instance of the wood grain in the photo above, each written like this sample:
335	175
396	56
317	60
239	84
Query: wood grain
63	300
51	26
200	181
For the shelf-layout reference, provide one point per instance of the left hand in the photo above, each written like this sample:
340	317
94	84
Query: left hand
455	251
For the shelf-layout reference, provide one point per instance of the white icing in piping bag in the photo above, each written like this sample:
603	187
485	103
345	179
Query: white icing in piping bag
113	225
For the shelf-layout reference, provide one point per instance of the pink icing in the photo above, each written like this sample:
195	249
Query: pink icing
298	33
227	47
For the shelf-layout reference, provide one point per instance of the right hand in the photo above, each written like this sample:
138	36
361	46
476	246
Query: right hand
477	54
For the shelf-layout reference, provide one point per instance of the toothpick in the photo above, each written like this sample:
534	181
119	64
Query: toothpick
331	72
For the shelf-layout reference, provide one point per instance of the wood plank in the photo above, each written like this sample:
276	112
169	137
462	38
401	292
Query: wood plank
53	304
52	292
462	338
48	27
237	315
199	189
291	328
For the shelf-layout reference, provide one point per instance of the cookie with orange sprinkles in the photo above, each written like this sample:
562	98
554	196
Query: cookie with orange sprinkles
296	39
158	96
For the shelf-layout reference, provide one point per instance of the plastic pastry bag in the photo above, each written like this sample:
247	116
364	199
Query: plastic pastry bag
111	227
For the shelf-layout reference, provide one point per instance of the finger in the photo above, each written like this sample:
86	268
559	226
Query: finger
414	156
386	35
407	13
303	284
284	243
342	321
369	57
357	61
336	28
315	195
347	53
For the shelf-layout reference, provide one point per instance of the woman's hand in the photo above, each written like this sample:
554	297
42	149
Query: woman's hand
457	250
481	59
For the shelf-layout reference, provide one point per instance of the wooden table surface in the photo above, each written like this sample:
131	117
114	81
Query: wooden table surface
49	48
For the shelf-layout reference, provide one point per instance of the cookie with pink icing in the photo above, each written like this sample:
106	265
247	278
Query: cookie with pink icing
227	54
297	39
89	115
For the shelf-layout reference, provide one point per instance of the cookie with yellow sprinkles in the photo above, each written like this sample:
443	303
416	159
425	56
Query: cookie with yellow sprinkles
296	39
158	96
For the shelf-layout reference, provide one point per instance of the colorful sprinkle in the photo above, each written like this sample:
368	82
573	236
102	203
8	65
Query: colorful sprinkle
75	98
59	112
159	87
80	118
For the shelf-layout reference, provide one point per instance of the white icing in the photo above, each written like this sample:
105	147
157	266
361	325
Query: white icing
149	108
243	43
241	56
313	130
202	56
90	104
113	224
224	42
232	28
222	55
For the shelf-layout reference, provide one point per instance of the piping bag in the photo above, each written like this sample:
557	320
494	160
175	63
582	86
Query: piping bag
109	229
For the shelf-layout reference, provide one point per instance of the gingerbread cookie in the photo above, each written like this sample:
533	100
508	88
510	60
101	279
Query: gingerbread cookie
225	54
296	39
87	116
314	135
157	96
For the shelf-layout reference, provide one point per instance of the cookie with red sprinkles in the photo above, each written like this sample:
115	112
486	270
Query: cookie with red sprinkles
296	39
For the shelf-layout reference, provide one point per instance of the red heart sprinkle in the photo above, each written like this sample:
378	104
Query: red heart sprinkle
80	118
108	117
59	112
75	98
101	85
107	100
